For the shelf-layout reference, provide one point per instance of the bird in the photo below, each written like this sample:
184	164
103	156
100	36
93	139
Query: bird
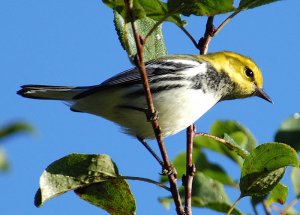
183	87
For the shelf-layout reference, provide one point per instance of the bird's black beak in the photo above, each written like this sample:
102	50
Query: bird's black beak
260	93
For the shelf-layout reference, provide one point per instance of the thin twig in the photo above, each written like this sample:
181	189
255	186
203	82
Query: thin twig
189	36
146	180
291	204
248	5
226	143
145	144
218	29
152	112
190	169
210	31
241	153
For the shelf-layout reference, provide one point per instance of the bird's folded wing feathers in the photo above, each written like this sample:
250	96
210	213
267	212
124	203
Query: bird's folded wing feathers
156	67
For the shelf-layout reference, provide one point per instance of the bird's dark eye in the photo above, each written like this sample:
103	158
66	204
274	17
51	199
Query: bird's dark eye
249	72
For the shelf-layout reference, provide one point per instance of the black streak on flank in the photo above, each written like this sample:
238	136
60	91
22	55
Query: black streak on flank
166	67
154	90
166	78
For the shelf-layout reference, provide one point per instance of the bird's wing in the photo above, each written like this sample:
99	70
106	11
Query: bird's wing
154	68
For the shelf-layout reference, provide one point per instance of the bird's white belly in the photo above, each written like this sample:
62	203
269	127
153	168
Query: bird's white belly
177	109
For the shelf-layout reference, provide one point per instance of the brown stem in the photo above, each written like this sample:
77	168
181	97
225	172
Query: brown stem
190	169
152	112
209	30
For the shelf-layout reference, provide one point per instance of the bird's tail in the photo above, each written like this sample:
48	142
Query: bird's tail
50	92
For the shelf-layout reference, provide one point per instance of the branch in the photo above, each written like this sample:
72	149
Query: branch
152	112
190	169
218	29
209	30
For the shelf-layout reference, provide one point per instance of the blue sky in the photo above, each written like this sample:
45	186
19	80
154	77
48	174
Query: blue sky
74	43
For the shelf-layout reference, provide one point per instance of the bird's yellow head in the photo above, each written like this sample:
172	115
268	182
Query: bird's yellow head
242	71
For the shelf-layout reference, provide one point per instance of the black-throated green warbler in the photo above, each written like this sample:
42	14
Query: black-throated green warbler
183	87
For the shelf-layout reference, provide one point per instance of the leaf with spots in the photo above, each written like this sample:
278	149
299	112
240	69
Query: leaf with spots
114	196
155	45
264	167
87	174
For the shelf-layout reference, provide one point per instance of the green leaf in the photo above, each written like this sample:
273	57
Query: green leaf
233	128
154	9
114	196
239	134
155	46
203	165
264	167
82	171
158	10
3	161
14	128
260	184
208	193
248	4
278	194
201	7
295	176
289	132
